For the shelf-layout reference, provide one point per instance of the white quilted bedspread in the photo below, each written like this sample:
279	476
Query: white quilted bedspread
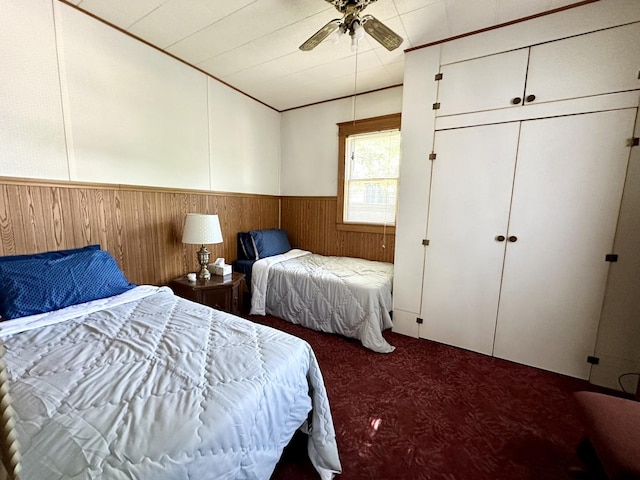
163	388
344	295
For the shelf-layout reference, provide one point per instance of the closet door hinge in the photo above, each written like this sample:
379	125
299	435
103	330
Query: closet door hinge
436	106
432	156
438	77
425	242
419	321
633	142
593	360
611	257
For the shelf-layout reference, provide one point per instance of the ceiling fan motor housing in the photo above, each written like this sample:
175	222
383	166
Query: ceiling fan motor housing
343	5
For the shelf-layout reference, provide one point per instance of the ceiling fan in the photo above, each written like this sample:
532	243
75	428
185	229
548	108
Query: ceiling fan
352	22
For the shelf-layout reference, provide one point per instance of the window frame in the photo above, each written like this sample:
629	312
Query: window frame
354	127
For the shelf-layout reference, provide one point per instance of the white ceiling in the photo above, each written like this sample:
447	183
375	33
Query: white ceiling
252	45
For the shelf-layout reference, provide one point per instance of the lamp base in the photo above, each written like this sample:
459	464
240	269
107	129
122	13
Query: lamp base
203	260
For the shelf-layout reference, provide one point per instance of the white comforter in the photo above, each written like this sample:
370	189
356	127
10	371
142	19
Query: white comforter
157	387
344	295
260	277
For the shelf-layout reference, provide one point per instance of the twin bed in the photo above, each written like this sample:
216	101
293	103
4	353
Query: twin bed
348	296
135	382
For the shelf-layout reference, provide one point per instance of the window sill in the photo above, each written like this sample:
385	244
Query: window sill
366	228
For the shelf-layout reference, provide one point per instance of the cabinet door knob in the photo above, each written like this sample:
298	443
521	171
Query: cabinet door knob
500	238
513	238
531	98
516	101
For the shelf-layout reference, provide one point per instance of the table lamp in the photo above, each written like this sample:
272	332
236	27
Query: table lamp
200	229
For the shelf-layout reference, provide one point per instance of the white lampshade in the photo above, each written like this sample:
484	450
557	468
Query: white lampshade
201	229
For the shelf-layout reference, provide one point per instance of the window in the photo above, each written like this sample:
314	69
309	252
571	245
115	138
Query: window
368	169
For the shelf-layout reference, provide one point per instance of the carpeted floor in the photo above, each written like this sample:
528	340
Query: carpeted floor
430	411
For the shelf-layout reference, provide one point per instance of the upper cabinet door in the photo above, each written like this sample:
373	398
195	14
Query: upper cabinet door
597	63
485	83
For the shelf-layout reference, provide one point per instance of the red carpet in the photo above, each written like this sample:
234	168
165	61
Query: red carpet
430	411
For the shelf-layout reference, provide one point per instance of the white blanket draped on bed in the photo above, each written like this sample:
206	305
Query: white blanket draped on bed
260	276
344	295
157	387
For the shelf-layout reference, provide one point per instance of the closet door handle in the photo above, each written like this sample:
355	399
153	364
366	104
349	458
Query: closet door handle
531	98
516	101
513	238
500	238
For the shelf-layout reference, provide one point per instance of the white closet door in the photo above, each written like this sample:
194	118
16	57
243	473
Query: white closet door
470	195
485	83
592	64
566	197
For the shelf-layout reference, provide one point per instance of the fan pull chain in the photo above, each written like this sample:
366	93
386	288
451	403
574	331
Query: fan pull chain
9	446
352	145
384	235
355	88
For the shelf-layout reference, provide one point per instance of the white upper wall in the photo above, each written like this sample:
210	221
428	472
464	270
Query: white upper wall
32	142
131	115
81	101
245	139
84	102
309	139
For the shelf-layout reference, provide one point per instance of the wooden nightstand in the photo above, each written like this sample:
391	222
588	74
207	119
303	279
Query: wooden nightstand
217	292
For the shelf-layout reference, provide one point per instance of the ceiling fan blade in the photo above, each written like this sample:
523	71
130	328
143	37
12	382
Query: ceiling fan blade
381	33
320	35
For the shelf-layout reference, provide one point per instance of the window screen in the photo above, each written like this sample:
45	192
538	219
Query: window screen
372	166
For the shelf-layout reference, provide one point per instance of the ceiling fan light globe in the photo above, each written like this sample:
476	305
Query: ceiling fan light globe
335	36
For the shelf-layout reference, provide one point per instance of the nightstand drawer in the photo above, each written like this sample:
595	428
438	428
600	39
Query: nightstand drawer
222	293
218	299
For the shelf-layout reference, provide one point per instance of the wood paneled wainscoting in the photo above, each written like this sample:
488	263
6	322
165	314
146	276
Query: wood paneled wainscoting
140	226
310	223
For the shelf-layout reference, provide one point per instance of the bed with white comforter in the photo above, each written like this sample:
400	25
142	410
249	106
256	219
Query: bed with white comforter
344	295
147	385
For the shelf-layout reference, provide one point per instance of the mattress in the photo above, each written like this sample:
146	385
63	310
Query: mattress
343	295
152	386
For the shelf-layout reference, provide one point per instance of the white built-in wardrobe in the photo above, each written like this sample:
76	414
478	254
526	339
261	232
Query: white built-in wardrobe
527	195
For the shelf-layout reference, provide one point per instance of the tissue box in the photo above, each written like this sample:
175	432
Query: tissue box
221	270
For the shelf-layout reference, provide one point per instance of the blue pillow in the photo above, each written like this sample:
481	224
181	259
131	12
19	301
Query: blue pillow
32	286
246	246
48	255
270	242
